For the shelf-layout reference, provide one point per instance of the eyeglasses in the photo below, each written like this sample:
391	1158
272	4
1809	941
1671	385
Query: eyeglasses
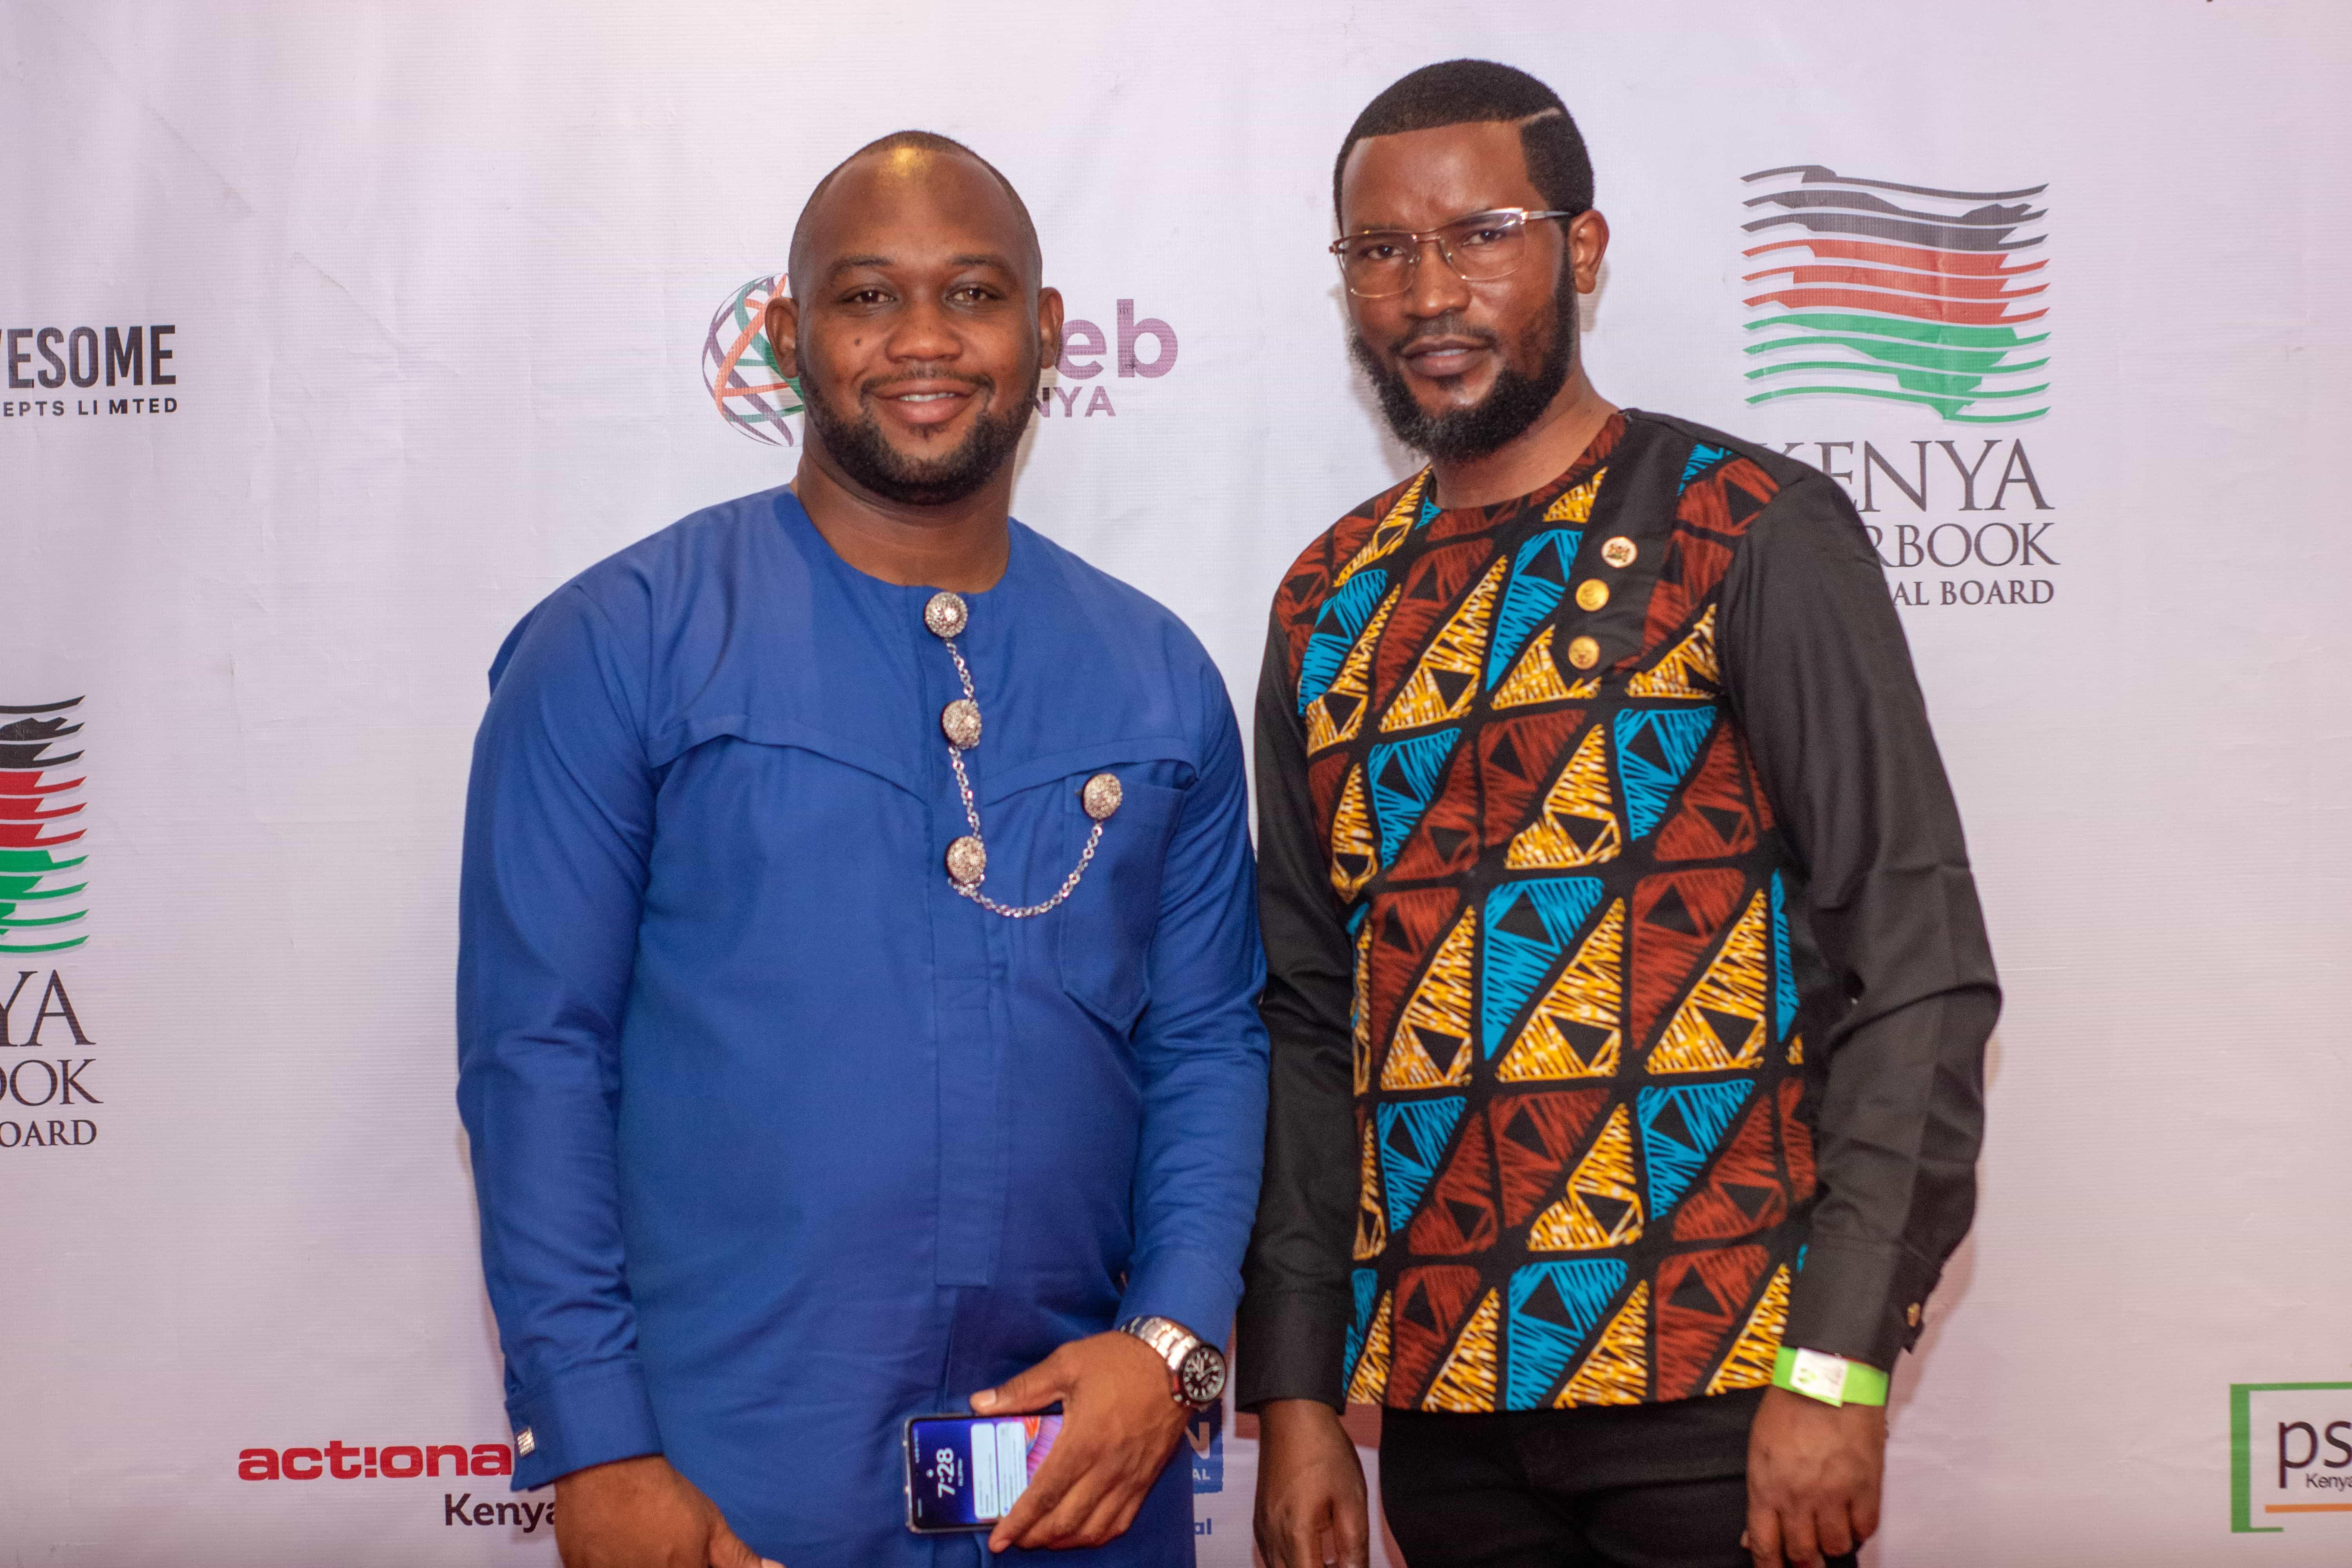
1480	248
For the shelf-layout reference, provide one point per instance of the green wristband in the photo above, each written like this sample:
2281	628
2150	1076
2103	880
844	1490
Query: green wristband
1833	1380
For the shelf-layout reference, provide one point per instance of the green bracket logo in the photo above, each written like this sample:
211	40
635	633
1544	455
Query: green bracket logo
2307	1429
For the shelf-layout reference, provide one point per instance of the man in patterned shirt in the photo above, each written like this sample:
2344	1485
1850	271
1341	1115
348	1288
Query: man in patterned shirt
1627	985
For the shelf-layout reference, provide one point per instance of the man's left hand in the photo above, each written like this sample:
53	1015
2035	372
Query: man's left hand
1813	1473
1119	1424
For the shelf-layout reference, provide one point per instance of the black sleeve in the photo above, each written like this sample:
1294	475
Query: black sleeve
1293	1327
1817	669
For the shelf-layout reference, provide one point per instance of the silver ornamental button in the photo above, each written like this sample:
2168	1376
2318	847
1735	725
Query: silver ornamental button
1101	796
968	860
961	719
946	614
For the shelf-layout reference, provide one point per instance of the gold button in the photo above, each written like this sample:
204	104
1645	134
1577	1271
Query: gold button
1591	593
946	614
1584	653
961	719
1101	796
1911	1315
968	860
1619	553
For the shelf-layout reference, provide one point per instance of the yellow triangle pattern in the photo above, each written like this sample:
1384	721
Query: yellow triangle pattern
1440	1004
1575	505
1580	790
1372	1379
1465	1384
1372	1224
1354	680
1606	1171
1389	532
1749	1364
1688	668
1733	985
1355	854
1618	1370
1796	1050
1535	679
1458	649
1361	1012
1586	992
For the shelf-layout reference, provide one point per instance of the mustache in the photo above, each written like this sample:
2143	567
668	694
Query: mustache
883	386
1449	325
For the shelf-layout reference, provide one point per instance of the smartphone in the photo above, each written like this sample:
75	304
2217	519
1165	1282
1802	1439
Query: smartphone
965	1472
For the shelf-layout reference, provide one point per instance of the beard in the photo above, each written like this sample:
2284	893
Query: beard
865	455
1515	401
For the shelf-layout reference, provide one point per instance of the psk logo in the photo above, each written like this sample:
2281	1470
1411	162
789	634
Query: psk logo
1920	295
747	386
39	884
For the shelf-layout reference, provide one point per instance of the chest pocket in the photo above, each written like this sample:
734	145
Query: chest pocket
1101	937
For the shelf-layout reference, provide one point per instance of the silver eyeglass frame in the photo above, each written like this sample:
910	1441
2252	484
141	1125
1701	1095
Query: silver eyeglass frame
1520	217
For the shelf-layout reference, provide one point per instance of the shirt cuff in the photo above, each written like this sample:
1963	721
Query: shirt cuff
590	1416
1862	1300
1184	1287
1291	1345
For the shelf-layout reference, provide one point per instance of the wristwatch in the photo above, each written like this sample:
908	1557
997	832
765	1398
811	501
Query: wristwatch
1196	1369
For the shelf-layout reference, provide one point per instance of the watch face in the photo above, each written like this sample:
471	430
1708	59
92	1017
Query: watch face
1202	1375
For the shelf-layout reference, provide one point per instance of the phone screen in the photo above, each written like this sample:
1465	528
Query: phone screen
965	1472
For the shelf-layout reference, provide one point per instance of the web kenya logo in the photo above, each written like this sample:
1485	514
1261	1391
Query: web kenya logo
342	1461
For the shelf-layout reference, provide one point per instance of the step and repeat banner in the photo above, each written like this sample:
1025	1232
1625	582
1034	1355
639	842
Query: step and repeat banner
332	337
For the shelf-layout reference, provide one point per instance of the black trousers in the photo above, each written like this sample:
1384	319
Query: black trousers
1636	1485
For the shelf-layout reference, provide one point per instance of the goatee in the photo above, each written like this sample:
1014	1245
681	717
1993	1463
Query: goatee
1514	403
868	458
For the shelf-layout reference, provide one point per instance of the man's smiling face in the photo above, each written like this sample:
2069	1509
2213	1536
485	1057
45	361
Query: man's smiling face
921	330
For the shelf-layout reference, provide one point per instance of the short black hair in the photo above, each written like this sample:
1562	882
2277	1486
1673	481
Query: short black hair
928	142
1467	92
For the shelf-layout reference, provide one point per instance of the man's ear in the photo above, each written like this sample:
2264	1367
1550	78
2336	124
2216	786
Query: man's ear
1049	327
783	319
1588	242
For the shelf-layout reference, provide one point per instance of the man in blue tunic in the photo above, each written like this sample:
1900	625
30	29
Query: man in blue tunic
859	952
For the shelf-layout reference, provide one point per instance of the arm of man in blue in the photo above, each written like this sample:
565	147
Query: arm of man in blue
1202	1053
558	825
1203	1056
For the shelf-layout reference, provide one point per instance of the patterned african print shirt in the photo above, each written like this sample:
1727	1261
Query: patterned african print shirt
1627	985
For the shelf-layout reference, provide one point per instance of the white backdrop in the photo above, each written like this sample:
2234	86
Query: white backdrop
434	282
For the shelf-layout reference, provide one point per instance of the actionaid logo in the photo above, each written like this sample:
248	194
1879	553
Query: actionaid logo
342	1461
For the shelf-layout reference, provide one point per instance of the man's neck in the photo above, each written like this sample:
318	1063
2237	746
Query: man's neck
963	545
1540	453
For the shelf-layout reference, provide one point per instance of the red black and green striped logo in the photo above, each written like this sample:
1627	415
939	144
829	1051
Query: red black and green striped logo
1899	292
41	882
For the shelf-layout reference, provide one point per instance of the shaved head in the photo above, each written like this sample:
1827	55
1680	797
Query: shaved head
914	152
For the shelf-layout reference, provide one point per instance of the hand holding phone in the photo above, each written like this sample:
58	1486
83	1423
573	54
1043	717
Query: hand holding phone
1120	1423
965	1472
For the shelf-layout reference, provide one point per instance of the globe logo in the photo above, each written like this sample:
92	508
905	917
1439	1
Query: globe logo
739	366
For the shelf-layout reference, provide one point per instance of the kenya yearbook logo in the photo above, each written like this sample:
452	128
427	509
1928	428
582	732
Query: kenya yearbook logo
747	386
40	880
1928	297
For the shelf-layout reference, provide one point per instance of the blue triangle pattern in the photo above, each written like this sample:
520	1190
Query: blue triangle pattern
1403	777
1701	1111
1648	787
1784	981
1539	1348
1702	458
1529	599
1511	964
1429	506
1365	1285
1413	1136
1336	630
